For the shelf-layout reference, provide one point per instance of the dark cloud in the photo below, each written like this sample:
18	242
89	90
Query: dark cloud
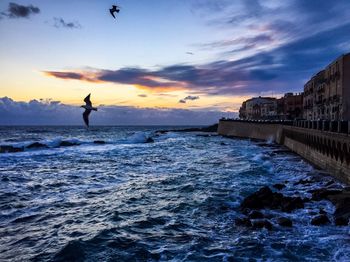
20	11
142	95
60	23
48	112
191	98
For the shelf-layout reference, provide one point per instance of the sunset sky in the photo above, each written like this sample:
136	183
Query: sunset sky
175	54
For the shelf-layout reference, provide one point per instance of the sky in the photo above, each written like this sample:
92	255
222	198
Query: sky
198	59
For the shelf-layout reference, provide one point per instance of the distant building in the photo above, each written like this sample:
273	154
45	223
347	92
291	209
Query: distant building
327	94
270	108
258	108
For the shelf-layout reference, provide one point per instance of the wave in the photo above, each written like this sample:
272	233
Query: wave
15	147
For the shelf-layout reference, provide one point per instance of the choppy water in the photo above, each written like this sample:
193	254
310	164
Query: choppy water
175	199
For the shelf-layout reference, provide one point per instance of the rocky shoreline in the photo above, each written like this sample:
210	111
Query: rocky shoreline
255	208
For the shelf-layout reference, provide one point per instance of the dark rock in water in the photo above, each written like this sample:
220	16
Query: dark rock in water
320	220
323	193
37	145
265	198
285	222
341	221
10	149
303	182
204	135
243	222
150	140
262	224
100	142
73	251
67	143
279	186
255	215
322	212
223	144
342	207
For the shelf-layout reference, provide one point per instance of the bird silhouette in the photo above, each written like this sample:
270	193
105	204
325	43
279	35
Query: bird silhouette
88	107
114	9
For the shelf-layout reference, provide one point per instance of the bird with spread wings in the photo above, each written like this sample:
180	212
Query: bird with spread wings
88	108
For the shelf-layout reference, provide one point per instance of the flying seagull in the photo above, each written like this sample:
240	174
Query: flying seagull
114	9
88	107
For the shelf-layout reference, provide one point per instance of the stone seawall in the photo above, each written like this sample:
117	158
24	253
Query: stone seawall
327	150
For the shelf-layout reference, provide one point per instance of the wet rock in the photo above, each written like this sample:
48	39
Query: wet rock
73	251
320	220
323	193
223	144
342	207
255	215
67	143
243	222
204	135
262	224
279	186
36	145
10	149
265	198
322	212
303	182
285	222
99	142
150	140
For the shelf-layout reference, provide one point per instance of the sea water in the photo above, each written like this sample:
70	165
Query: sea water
175	199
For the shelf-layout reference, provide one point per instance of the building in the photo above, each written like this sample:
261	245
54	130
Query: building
293	106
269	108
258	108
327	94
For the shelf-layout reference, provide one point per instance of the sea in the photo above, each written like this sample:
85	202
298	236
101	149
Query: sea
135	194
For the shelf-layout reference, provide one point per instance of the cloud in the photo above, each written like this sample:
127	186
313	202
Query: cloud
60	23
48	112
284	43
192	98
20	11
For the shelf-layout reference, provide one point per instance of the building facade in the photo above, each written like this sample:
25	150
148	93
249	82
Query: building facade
327	94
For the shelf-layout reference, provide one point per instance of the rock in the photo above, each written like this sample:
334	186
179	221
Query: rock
10	149
320	220
149	140
285	222
255	215
243	222
322	212
73	251
323	193
265	198
262	224
342	207
303	182
223	144
67	143
204	135
36	145
279	186
99	142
